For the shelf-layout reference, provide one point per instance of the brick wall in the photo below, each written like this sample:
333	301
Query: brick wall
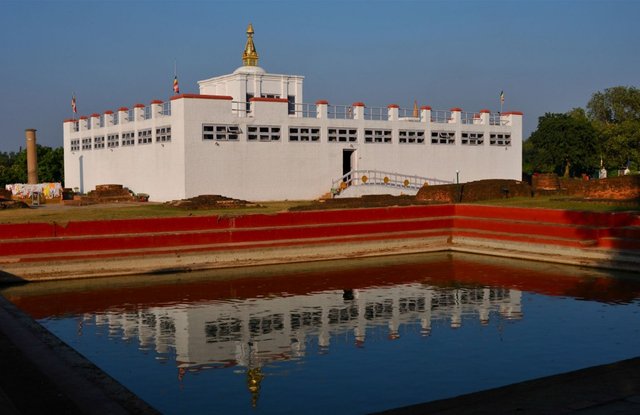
614	188
474	191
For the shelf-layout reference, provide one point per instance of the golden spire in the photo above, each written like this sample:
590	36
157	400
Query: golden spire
250	56
254	378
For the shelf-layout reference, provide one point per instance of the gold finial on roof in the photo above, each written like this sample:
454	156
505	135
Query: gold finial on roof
416	113
250	56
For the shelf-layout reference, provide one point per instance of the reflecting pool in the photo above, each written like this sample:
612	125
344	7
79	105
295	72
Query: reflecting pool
355	336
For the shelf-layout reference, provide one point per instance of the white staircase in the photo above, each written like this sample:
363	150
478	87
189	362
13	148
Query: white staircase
357	183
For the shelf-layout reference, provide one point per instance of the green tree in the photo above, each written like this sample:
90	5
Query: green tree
6	173
51	164
13	166
615	114
615	105
563	144
620	144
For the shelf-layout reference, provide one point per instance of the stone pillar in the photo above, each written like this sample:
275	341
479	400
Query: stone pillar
32	156
455	115
123	115
83	123
358	110
322	109
156	108
108	119
425	113
95	121
138	112
485	115
393	110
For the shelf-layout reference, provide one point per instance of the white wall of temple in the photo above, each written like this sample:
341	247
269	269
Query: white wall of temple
156	168
276	170
189	165
254	81
249	333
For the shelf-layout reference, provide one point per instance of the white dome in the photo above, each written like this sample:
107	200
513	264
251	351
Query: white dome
250	70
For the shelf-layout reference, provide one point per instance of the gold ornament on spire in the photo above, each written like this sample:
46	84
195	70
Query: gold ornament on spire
250	56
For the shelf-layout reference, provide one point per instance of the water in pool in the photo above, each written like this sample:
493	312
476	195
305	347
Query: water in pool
357	336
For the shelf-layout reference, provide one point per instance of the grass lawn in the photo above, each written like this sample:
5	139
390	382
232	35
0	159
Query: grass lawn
62	214
555	202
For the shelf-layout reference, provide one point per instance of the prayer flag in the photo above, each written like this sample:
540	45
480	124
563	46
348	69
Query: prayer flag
502	97
73	104
176	88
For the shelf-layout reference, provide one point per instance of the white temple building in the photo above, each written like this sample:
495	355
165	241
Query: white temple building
250	135
233	331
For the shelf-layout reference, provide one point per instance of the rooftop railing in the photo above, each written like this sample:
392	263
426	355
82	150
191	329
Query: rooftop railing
440	116
496	119
409	114
340	112
470	118
305	110
376	113
242	109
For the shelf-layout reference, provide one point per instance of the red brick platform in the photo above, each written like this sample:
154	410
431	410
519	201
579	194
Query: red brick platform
96	248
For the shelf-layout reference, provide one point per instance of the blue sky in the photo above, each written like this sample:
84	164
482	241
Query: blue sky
548	56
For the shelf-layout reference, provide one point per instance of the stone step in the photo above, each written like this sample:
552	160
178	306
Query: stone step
619	243
178	224
215	236
553	230
552	241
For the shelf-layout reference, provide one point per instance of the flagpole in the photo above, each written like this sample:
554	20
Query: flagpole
74	105
176	88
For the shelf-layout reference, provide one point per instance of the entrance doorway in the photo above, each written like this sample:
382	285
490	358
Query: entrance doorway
348	164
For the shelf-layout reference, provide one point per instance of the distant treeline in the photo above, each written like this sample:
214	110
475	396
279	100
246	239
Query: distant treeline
582	141
13	166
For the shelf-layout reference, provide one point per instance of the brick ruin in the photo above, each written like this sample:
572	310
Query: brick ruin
616	189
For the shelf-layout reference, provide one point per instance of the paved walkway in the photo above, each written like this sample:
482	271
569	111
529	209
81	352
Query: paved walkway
39	374
599	390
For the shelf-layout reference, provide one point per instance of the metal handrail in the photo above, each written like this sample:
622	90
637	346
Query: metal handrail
376	113
377	177
340	112
305	110
408	114
497	119
441	117
166	109
471	118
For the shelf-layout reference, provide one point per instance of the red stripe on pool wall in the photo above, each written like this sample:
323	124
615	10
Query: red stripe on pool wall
538	226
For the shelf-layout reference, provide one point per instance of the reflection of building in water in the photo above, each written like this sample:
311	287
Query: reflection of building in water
258	330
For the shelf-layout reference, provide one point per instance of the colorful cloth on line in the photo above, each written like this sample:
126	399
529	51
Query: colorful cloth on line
47	190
